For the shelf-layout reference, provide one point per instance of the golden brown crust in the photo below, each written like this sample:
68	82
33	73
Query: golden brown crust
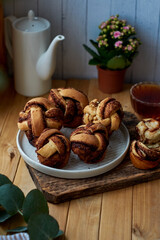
53	148
90	142
38	114
144	157
148	130
72	102
108	111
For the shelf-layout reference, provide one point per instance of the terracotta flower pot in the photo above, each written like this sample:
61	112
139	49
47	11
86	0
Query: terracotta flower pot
110	81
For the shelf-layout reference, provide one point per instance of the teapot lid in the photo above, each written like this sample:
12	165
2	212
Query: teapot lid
31	23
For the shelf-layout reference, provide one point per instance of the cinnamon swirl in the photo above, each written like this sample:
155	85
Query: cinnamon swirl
90	142
53	148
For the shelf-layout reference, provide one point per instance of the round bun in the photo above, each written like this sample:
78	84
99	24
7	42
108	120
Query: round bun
71	102
53	148
37	115
90	142
107	111
144	157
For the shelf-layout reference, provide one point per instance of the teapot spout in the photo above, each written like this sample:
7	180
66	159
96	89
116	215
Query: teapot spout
46	64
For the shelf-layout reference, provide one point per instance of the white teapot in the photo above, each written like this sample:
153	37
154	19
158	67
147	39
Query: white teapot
34	57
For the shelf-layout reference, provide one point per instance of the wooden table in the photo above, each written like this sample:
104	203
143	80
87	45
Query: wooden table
129	213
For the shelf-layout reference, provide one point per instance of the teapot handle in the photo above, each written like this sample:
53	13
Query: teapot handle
8	33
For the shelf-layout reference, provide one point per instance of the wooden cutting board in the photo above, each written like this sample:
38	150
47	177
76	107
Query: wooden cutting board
57	190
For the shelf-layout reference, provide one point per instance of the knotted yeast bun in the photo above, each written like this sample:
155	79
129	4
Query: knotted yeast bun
145	152
53	148
143	156
148	130
108	111
90	142
71	102
37	115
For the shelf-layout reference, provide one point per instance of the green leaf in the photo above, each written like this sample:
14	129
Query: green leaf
42	227
4	215
118	62
34	202
18	229
4	180
11	198
94	61
91	52
60	233
95	44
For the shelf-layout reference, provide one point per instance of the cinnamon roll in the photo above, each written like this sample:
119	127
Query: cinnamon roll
90	142
53	148
37	115
71	102
148	130
109	112
144	156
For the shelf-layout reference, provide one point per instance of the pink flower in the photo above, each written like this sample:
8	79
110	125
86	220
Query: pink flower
103	25
129	47
117	34
118	43
126	27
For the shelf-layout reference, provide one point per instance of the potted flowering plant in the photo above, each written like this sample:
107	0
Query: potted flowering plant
116	46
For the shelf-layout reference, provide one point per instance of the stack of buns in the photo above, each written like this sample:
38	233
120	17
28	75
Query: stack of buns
145	151
92	124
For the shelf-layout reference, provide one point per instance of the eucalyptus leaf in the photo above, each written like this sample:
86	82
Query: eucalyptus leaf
18	229
4	215
4	180
11	198
42	227
60	234
34	202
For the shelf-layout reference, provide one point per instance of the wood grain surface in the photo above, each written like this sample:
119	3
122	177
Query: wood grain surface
58	190
130	213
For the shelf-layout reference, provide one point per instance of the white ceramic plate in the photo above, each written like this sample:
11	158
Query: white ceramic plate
116	151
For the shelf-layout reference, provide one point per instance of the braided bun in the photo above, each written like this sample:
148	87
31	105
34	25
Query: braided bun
143	156
53	148
148	130
89	142
71	102
38	114
108	112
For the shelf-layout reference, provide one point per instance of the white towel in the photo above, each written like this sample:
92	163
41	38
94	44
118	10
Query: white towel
18	236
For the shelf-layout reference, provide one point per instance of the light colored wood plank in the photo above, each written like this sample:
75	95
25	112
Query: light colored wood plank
8	7
78	21
82	85
21	8
128	12
97	11
147	25
85	223
83	218
5	104
10	154
116	205
157	59
74	29
116	215
52	11
146	211
24	181
123	97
